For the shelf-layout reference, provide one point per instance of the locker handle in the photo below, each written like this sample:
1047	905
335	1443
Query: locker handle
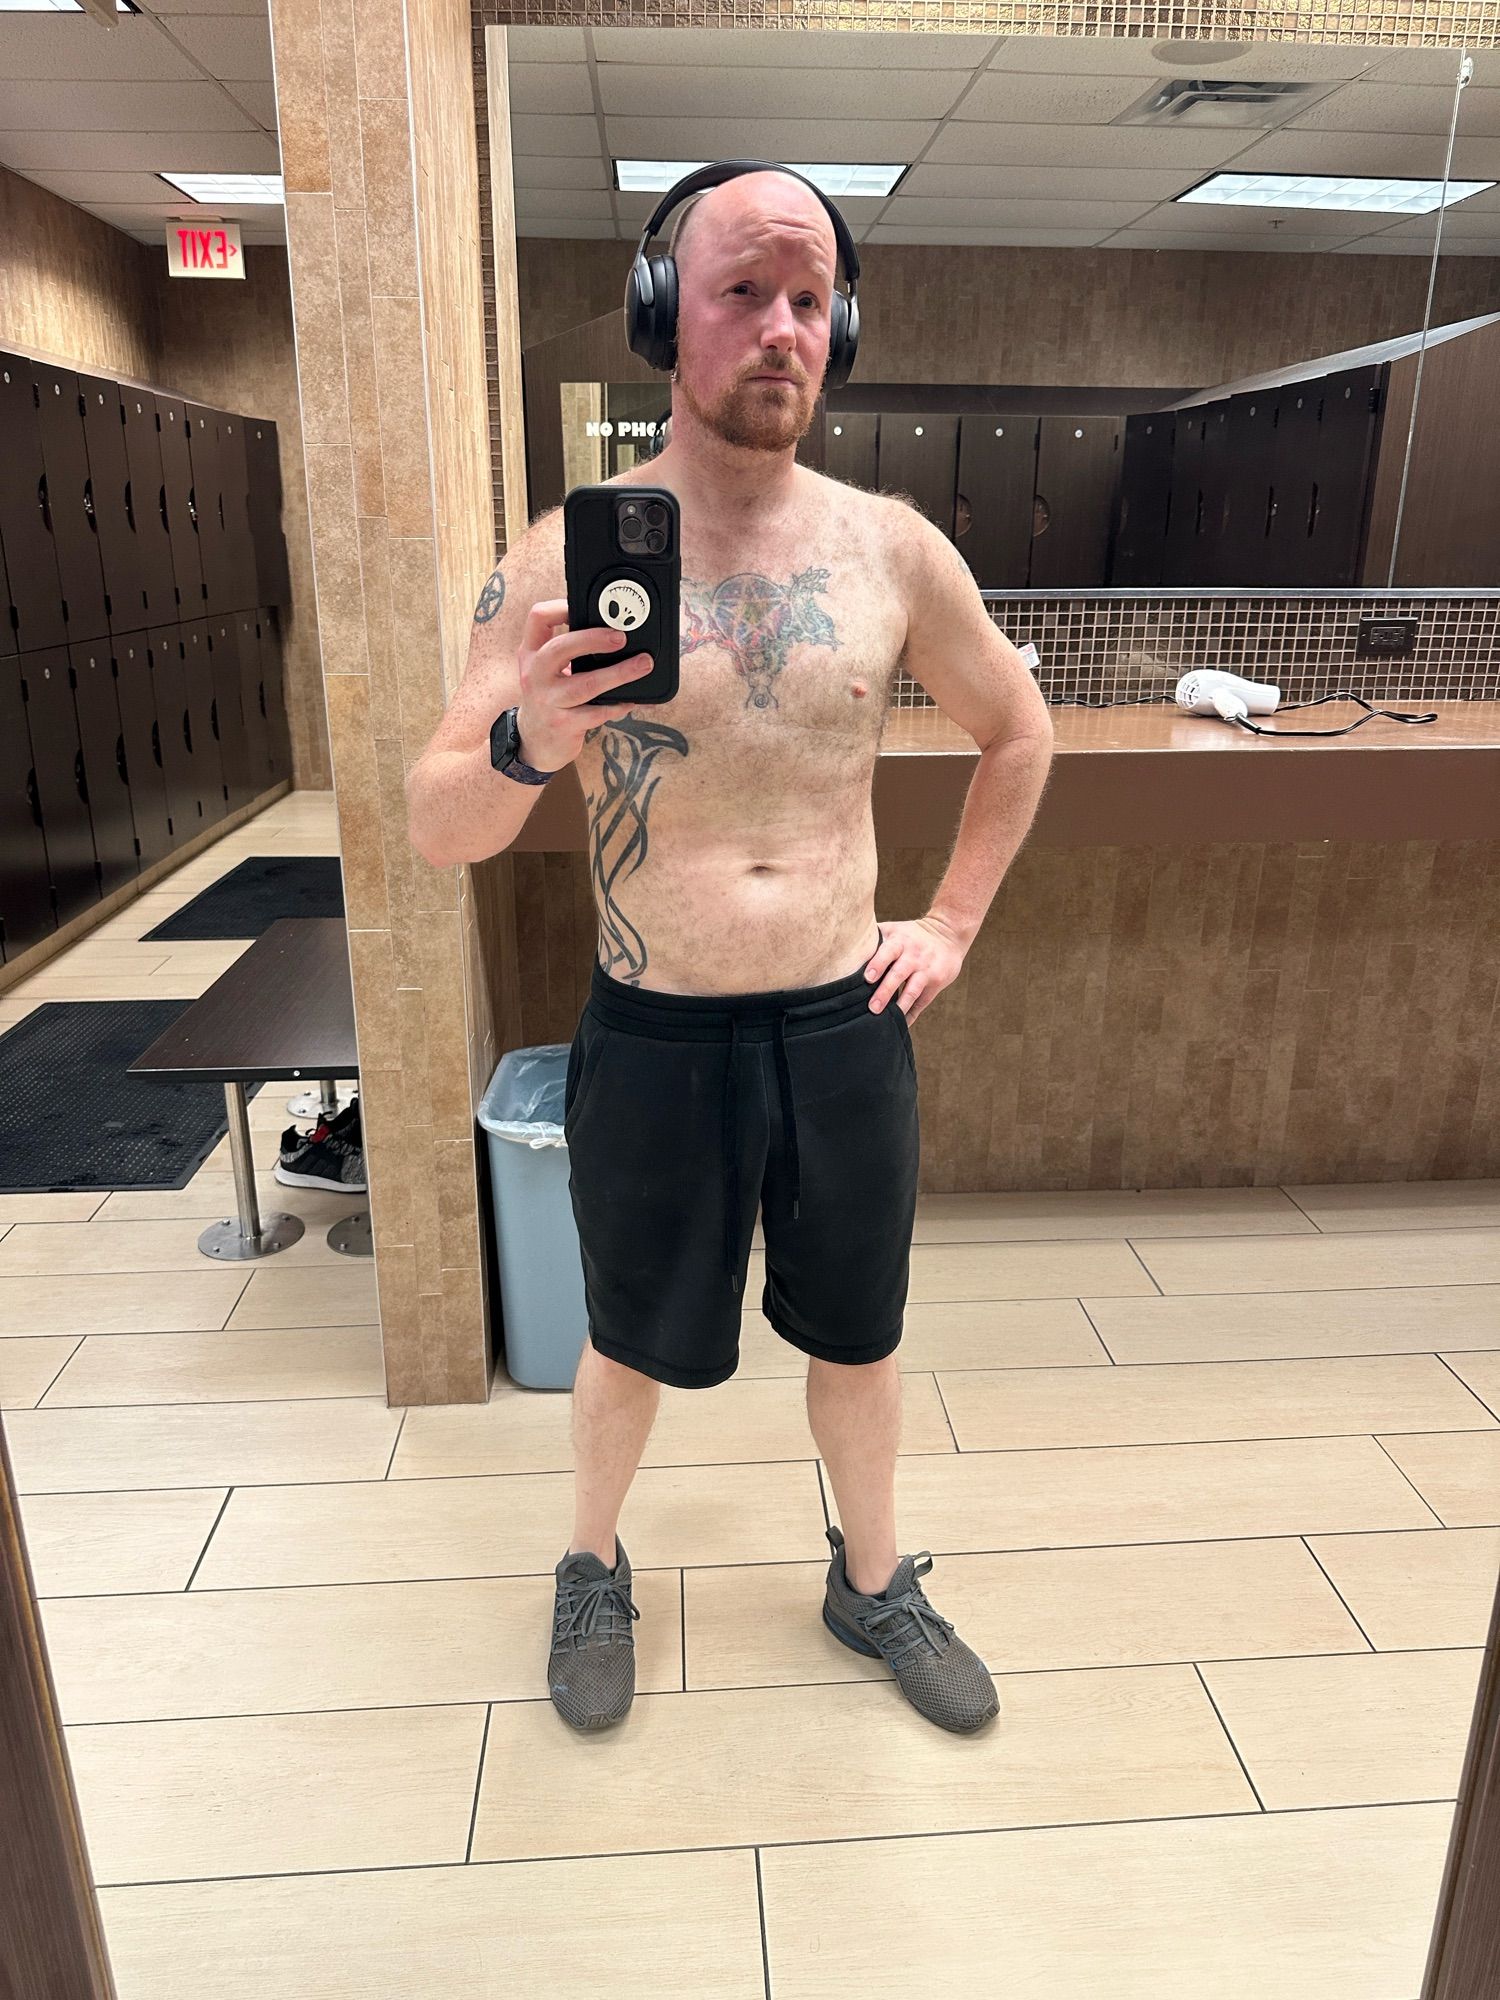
213	718
187	734
80	777
260	691
120	765
129	504
88	504
161	508
193	507
156	742
43	503
32	798
1312	510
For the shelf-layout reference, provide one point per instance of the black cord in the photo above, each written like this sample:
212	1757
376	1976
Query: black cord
1243	722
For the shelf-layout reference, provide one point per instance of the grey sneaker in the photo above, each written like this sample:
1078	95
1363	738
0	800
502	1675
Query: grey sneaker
591	1669
940	1676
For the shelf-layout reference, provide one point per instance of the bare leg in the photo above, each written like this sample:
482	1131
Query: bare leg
855	1416
613	1410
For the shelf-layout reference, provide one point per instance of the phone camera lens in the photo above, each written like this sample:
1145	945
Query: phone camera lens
656	515
656	540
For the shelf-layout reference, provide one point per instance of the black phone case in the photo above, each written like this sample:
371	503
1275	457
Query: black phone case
593	558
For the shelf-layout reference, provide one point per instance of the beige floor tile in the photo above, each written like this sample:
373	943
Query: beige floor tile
1480	1371
1401	1205
28	1367
1102	1495
641	1927
82	1544
50	1207
1008	1271
1031	1609
171	1302
1325	1263
106	986
33	1249
200	1444
1067	1214
1299	1906
97	954
270	1652
1424	1587
366	1788
210	1194
285	1362
308	1295
387	1531
972	1333
529	1430
1357	1730
1400	1319
1456	1472
1000	1409
809	1763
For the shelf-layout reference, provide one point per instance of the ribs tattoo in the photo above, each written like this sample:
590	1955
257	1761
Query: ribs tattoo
617	828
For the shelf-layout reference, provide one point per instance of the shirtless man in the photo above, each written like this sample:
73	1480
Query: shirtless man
744	1049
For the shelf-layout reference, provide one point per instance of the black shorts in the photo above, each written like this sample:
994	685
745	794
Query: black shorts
686	1115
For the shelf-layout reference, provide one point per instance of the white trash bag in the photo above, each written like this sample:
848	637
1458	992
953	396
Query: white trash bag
534	1083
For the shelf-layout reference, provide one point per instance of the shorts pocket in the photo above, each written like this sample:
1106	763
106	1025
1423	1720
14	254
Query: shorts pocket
583	1067
904	1026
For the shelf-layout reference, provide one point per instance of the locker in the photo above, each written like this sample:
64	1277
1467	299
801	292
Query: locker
1215	472
850	450
25	524
172	740
227	712
146	508
1077	473
143	759
234	505
258	766
208	479
70	500
1145	497
105	775
273	691
57	759
7	629
263	464
26	914
203	742
1181	550
109	481
1351	411
997	478
182	507
918	457
1289	543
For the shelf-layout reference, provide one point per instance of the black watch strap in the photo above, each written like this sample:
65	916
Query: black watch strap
505	751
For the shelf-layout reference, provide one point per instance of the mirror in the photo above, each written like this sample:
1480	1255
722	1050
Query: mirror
1135	314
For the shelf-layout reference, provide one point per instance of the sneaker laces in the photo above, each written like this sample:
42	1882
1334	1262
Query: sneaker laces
595	1608
923	1626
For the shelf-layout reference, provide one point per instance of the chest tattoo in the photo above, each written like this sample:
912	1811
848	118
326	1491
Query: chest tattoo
758	621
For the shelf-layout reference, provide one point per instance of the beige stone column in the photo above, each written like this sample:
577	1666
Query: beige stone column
377	116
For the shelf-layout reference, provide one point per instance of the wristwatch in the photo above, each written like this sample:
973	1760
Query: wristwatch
505	751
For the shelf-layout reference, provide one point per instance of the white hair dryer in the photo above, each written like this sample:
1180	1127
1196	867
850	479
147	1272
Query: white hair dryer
1207	691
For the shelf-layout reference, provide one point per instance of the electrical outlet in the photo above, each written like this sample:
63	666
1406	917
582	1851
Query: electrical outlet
1385	638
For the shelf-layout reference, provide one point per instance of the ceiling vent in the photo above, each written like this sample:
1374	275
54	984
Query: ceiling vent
1195	101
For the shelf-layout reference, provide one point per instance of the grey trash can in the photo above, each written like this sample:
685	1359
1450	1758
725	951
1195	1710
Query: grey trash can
541	1269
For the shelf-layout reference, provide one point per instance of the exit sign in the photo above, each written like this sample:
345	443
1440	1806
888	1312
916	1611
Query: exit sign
204	250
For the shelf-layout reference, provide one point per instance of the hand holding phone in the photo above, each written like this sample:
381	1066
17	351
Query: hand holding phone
622	549
558	709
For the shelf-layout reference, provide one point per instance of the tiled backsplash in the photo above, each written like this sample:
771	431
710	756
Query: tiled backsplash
1116	645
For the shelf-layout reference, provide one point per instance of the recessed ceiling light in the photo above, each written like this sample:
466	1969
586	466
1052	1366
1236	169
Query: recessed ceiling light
1196	55
227	188
656	176
1373	196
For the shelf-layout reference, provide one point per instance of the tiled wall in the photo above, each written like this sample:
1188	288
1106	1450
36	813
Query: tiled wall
74	288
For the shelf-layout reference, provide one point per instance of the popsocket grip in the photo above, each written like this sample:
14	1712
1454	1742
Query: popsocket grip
623	604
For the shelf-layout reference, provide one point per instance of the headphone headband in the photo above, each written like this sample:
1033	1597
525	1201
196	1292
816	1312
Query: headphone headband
719	171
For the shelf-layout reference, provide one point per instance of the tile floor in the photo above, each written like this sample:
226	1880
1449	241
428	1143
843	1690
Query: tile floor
1212	1480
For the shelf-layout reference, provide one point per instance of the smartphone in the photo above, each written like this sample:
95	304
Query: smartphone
622	548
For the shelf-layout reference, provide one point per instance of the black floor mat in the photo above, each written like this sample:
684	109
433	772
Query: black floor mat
250	898
71	1120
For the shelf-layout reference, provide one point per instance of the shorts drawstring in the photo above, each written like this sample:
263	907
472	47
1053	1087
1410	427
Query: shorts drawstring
731	1139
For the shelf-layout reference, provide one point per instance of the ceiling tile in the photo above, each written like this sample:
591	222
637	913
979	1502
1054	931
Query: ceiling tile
1438	66
105	107
53	48
1373	245
1081	145
1300	152
83	188
166	7
1051	183
561	172
786	139
550	87
554	135
1380	107
636	208
1041	99
1194	218
1042	238
791	49
574	204
258	98
187	152
565	228
1000	212
1153	239
227	45
634	90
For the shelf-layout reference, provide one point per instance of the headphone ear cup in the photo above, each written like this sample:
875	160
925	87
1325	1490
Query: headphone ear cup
843	340
664	313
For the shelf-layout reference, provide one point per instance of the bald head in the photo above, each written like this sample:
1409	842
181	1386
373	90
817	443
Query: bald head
747	204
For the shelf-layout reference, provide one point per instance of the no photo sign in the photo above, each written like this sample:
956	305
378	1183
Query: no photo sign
204	250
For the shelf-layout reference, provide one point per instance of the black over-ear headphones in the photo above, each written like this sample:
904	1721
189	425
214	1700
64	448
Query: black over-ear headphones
651	288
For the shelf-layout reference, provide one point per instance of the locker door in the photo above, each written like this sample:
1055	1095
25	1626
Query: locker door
25	888
1077	473
234	499
57	758
1145	496
182	507
918	457
850	450
273	690
1346	438
70	497
146	507
203	741
263	462
1214	476
1290	542
109	476
143	758
106	785
228	716
25	524
169	688
996	487
208	480
7	629
1252	444
1181	551
258	764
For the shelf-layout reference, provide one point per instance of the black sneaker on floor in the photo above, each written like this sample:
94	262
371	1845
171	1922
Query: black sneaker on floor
320	1163
591	1668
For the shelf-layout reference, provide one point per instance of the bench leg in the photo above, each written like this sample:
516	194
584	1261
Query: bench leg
248	1235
